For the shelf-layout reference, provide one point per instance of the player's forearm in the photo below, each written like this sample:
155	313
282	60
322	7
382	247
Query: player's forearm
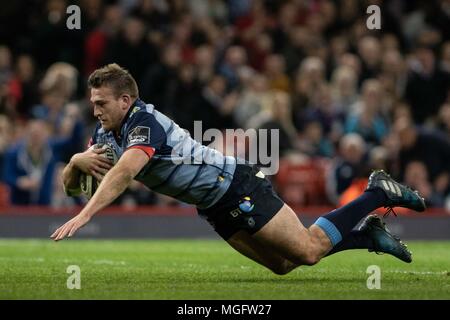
71	177
113	184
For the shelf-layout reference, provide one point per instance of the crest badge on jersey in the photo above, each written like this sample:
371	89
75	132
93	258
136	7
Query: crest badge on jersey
135	109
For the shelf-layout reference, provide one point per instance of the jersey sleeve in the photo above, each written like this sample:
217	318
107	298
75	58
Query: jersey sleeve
93	139
91	142
145	133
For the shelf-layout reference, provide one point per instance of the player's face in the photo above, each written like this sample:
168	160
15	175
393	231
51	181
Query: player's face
108	109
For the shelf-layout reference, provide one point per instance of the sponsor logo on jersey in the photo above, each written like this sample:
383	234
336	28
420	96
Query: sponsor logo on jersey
139	135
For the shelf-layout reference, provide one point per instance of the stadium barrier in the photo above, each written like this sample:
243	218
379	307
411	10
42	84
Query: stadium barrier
183	222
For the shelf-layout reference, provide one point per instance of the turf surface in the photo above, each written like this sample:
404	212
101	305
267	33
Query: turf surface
209	269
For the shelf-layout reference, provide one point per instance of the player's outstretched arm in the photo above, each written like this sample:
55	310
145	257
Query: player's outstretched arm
113	184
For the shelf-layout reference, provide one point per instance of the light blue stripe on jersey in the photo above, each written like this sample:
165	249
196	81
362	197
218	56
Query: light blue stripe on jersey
191	172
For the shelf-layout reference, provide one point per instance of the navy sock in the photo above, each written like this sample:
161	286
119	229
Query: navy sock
354	240
339	223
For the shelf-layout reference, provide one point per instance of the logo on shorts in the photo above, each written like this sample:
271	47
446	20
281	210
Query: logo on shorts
234	213
260	174
246	205
251	222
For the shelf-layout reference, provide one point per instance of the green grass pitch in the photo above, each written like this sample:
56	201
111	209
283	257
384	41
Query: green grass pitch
209	269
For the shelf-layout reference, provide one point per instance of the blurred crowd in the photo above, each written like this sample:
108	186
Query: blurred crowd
345	99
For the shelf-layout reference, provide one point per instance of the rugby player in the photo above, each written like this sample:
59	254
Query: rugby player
235	198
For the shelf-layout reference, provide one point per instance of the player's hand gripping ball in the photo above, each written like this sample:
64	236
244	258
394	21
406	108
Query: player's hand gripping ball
89	183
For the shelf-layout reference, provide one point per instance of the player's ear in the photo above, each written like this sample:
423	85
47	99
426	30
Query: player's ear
125	101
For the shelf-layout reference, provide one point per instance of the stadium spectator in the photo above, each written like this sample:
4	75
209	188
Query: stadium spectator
427	86
259	50
253	100
323	109
347	166
445	57
5	140
27	79
154	13
10	92
378	158
160	79
277	117
310	76
295	49
369	49
204	63
215	106
443	121
416	176
253	21
344	88
96	42
275	73
235	59
30	165
131	48
185	96
6	70
366	118
426	146
52	41
350	60
57	87
313	141
393	75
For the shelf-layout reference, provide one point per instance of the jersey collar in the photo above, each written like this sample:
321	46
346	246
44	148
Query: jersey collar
137	103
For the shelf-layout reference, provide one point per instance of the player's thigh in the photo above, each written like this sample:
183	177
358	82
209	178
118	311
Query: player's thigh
244	243
287	236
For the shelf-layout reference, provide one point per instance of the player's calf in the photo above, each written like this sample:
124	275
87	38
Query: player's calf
318	245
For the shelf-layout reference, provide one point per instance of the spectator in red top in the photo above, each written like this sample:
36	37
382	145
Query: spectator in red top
96	42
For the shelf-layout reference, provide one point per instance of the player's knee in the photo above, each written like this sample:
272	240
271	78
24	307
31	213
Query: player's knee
308	258
281	271
282	268
311	258
310	261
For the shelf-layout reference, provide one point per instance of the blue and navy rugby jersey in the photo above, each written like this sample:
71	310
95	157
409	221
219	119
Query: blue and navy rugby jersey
179	166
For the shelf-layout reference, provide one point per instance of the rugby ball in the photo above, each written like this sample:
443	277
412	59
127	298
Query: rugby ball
88	183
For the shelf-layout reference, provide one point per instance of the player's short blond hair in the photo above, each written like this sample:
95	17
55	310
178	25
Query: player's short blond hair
115	77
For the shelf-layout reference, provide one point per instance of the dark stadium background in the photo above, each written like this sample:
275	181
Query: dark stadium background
346	100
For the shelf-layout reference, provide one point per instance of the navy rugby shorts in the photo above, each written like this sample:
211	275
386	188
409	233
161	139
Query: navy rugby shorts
249	203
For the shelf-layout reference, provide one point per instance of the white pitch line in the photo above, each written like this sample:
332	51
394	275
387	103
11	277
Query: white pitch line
419	272
109	262
38	259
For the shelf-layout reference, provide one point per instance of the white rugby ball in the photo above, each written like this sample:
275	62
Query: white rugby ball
88	183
